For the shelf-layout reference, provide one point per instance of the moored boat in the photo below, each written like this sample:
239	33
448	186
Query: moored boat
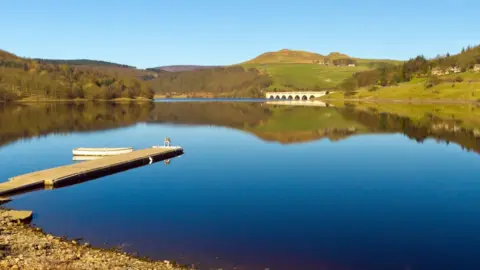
101	151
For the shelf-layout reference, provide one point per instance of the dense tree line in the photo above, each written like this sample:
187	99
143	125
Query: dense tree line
221	81
343	61
23	78
81	62
414	129
465	60
388	74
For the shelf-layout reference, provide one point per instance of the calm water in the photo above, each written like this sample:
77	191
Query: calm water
261	186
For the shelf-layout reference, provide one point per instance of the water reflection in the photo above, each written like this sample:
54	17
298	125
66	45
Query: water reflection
239	198
270	122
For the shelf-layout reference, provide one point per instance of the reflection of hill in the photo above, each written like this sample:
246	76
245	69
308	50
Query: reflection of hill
284	124
304	136
30	120
303	124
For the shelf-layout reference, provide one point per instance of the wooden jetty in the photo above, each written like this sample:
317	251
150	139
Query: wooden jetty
79	172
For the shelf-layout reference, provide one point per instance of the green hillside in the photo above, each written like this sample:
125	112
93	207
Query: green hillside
299	70
448	78
305	76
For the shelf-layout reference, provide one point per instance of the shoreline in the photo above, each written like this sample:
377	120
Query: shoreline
77	100
23	246
401	101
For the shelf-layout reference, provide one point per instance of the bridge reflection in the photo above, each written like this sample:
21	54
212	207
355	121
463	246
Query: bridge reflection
311	103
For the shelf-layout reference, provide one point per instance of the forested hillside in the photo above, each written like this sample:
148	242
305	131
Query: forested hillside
81	62
232	81
418	67
26	79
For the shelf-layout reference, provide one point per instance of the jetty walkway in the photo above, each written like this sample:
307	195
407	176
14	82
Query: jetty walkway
79	172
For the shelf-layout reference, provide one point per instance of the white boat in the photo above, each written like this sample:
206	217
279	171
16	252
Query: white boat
101	151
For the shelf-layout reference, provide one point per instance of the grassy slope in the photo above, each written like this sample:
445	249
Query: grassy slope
305	76
292	69
469	89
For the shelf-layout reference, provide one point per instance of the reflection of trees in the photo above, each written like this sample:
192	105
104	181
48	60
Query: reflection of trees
430	127
226	114
284	124
30	120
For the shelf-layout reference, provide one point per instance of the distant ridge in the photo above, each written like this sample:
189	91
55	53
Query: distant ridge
82	62
179	68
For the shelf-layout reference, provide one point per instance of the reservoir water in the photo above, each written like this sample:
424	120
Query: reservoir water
260	186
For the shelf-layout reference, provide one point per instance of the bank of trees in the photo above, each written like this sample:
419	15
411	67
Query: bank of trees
24	78
220	81
389	74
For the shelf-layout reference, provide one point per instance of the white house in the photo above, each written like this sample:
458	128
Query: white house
454	69
437	71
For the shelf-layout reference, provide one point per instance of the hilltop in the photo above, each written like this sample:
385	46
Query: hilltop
285	56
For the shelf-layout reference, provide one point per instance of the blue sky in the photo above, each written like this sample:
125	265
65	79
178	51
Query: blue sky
152	33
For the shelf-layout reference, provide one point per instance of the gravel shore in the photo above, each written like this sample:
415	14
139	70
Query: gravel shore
25	247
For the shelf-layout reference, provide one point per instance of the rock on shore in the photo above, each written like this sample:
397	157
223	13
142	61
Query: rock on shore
25	247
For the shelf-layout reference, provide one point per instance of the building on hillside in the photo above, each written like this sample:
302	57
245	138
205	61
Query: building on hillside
476	68
454	69
437	71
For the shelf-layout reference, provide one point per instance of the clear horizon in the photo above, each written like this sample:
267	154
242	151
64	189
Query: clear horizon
149	33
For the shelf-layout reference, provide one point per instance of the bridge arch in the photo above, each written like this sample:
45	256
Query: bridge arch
284	97
290	97
312	97
304	97
272	97
297	97
277	97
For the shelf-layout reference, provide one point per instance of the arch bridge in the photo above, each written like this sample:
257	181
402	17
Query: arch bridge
297	95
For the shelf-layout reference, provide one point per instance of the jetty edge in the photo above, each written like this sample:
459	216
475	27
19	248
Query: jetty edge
88	170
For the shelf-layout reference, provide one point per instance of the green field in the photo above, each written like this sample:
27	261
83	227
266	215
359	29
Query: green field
469	89
305	76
